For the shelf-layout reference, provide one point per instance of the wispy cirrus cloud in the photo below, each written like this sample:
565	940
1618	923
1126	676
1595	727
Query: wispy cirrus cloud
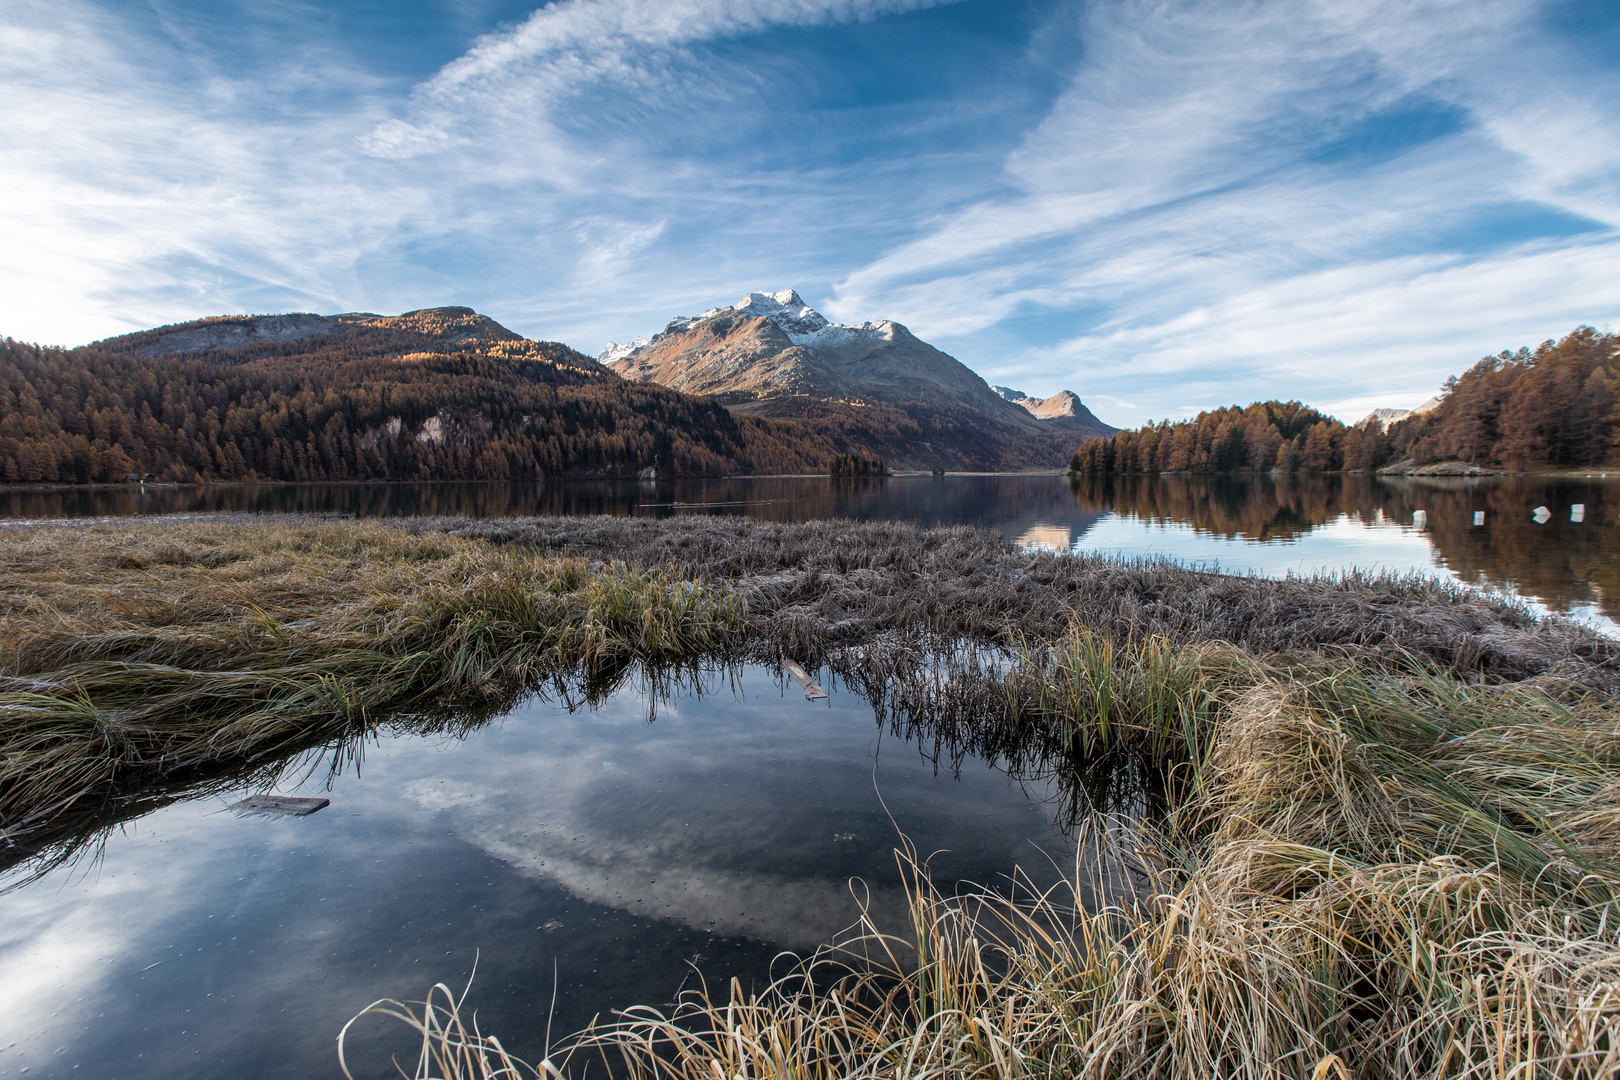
1215	173
1138	201
151	179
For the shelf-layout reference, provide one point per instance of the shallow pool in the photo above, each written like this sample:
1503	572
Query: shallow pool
607	855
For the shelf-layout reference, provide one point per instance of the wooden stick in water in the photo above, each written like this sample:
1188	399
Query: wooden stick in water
812	689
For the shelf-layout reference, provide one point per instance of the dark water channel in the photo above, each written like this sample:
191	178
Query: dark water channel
599	846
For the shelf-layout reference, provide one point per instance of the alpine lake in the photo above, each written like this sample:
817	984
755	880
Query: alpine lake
588	857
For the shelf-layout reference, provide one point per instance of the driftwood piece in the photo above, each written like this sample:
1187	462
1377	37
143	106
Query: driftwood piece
281	805
812	689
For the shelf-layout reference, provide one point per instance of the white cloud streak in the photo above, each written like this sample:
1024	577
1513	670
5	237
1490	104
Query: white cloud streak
1172	189
146	182
1168	233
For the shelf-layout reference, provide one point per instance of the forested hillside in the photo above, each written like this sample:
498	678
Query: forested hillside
1556	407
917	433
443	394
1266	435
1548	409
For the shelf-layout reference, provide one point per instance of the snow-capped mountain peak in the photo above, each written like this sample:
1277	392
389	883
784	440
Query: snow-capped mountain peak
786	310
616	351
803	324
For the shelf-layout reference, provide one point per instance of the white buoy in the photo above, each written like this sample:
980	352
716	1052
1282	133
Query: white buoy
1577	512
1420	519
1479	517
1542	515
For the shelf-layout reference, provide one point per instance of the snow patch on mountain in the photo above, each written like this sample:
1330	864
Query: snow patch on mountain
806	326
616	351
802	324
1385	417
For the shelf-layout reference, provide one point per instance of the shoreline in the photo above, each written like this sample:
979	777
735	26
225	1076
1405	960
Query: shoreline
175	486
1420	472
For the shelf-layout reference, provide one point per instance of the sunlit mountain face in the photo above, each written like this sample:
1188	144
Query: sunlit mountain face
873	389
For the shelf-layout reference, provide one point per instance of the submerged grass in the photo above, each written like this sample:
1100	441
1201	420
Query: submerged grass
133	656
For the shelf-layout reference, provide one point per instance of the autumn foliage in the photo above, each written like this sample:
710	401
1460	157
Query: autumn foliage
855	465
388	400
1556	407
1265	435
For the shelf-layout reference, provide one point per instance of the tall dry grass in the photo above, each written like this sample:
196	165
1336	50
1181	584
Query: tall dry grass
135	655
1357	874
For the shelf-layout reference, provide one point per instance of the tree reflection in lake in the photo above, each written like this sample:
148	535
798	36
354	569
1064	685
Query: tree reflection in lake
1564	564
1568	566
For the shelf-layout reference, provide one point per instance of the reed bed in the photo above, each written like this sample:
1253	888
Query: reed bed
1358	873
135	656
816	588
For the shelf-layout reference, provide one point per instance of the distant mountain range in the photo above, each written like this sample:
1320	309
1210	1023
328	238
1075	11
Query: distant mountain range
449	394
1385	417
437	394
1061	404
873	389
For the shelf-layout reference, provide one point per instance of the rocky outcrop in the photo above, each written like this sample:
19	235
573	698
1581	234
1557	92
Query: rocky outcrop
1063	404
1439	468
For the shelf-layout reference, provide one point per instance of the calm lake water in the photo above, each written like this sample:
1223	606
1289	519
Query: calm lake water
1242	524
605	853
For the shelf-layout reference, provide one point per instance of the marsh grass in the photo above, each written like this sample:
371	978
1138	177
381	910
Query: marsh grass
1381	837
1357	873
816	588
139	656
451	1047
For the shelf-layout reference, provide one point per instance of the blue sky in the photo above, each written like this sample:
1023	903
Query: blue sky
1163	206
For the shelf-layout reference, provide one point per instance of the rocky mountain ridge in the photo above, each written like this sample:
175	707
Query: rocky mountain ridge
430	330
1385	417
875	388
1061	404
